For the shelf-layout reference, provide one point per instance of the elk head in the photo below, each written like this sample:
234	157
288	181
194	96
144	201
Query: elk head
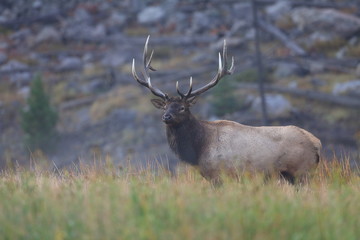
177	109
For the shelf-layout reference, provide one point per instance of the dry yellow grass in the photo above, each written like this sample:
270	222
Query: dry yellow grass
126	203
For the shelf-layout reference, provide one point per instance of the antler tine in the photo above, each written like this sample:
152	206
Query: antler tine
190	87
231	69
133	71
188	92
222	71
147	66
225	66
178	90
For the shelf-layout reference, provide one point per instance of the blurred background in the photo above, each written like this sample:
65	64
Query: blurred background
79	54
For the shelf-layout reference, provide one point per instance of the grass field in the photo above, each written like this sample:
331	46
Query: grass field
128	204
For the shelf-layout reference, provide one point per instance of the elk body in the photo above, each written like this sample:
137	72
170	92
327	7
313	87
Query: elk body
226	146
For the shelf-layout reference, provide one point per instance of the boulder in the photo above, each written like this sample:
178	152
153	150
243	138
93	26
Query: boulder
151	14
98	31
116	20
357	71
69	63
82	15
179	20
243	11
276	104
205	20
84	31
316	67
20	76
21	35
278	10
113	59
350	88
325	20
284	70
37	4
47	34
342	52
200	22
3	58
3	45
24	92
83	26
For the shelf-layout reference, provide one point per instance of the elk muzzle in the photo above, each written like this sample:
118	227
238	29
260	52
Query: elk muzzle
167	118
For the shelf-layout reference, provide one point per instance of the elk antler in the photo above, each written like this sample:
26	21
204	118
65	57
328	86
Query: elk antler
147	67
222	71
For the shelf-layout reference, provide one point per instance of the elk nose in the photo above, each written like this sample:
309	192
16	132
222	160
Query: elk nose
166	117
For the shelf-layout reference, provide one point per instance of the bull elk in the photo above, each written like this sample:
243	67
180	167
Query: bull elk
227	146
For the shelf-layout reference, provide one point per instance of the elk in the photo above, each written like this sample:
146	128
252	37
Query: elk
222	146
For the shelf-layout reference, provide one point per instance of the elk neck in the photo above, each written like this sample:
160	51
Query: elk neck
187	139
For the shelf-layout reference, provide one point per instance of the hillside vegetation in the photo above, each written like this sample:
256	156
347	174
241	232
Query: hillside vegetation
109	203
83	52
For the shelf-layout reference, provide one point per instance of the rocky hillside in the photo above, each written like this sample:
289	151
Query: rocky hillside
83	51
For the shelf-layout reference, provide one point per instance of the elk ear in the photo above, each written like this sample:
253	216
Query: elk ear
158	103
191	101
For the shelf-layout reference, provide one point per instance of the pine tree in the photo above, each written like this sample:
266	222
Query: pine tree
39	118
224	100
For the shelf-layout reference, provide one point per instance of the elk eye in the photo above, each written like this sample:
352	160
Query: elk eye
182	109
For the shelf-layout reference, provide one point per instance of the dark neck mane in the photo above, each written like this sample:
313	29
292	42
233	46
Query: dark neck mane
187	139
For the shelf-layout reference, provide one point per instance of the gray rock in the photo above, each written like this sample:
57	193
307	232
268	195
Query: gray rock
97	85
4	45
24	92
179	20
6	15
98	32
320	37
88	57
3	19
94	86
104	6
151	15
341	53
21	35
277	105
18	78
357	71
250	34
37	4
284	70
116	20
316	67
170	5
47	34
3	58
134	5
351	88
83	117
14	65
81	15
68	63
84	30
325	20
316	83
113	59
243	11
293	85
200	22
81	25
278	10
354	41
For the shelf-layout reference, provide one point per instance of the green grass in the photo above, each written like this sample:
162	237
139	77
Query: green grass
109	203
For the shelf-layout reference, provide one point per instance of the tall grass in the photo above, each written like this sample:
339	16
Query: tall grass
110	203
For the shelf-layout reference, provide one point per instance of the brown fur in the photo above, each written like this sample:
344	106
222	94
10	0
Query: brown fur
230	147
